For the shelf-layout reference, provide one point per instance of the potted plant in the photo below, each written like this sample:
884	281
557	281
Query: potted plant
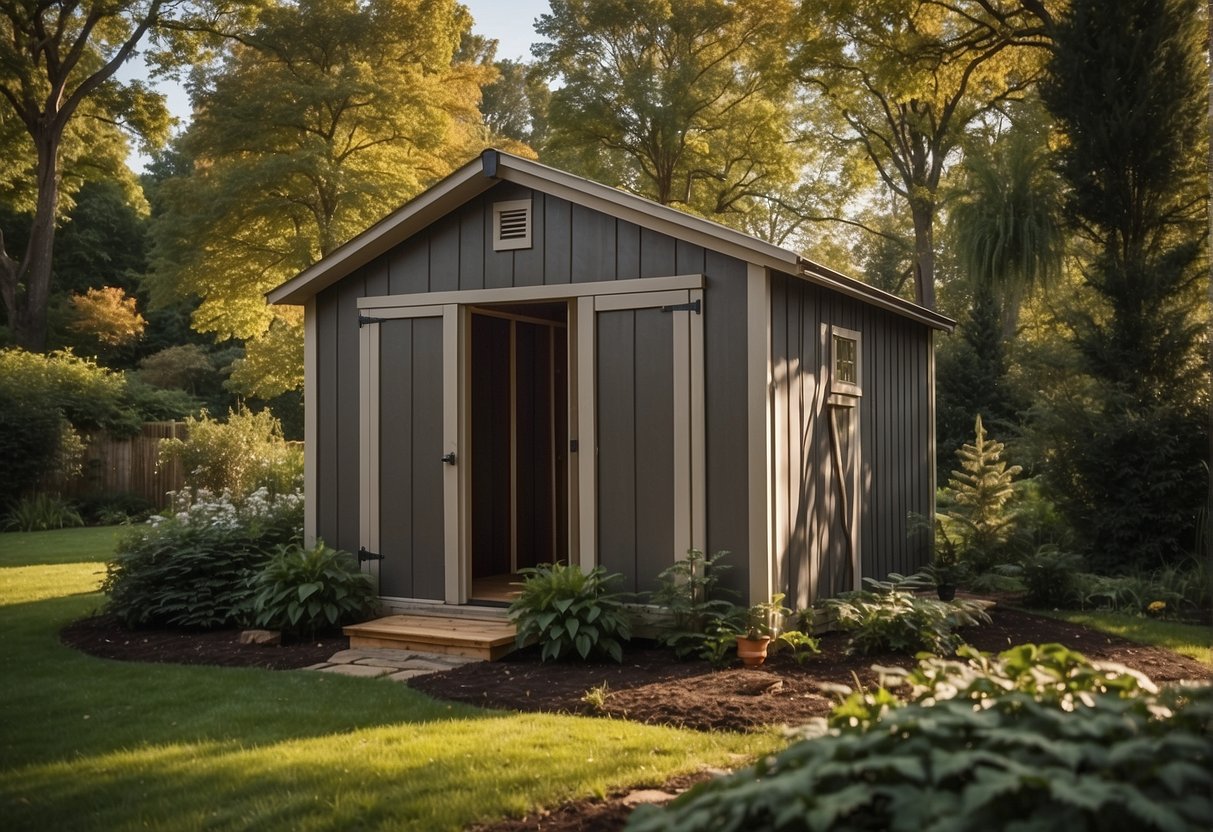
762	624
946	570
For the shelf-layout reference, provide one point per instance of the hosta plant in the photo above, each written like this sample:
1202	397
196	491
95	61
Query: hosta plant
1036	738
570	612
307	591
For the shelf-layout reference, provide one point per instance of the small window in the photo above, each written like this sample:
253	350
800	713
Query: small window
511	225
845	378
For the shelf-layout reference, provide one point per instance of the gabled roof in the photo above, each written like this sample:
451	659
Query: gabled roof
495	166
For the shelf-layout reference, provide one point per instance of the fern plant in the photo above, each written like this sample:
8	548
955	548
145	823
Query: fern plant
697	619
570	612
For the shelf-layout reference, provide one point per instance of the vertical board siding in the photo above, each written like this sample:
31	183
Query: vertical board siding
892	414
570	243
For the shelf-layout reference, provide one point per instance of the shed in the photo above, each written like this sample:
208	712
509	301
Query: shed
521	366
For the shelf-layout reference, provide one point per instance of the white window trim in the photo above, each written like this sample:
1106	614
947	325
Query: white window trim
846	388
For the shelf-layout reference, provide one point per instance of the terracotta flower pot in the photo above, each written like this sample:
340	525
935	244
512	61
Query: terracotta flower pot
752	651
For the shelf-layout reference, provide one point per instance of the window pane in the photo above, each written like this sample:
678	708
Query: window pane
845	369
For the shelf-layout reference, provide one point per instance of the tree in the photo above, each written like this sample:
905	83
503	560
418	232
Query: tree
905	79
107	315
58	60
322	119
979	492
1127	86
515	105
686	102
1007	220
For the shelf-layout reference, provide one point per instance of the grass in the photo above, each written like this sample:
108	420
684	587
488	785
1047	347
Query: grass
92	744
1192	640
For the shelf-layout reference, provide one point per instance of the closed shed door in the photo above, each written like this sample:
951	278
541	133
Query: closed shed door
644	483
408	507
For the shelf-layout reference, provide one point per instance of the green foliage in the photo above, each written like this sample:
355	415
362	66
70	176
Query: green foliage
240	455
766	617
977	496
1131	437
698	619
87	395
681	101
327	115
890	617
308	591
192	566
570	612
41	512
802	645
114	509
1053	578
1058	744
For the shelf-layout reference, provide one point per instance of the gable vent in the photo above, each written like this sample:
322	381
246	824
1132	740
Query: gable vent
511	225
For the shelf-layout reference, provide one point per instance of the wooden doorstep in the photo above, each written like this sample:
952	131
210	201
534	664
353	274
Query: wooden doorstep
474	638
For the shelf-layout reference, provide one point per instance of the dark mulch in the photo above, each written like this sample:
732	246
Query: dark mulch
104	636
649	686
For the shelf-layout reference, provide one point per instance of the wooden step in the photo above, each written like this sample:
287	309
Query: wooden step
446	635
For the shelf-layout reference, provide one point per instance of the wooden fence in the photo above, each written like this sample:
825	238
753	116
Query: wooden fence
128	466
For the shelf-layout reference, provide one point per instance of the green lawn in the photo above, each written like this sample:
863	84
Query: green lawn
92	744
1192	640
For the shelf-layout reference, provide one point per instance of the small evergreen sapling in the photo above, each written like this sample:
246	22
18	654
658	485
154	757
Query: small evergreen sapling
980	492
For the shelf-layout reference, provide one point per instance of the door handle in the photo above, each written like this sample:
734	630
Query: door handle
449	458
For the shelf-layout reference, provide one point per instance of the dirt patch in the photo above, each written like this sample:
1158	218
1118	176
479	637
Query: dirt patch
650	687
104	636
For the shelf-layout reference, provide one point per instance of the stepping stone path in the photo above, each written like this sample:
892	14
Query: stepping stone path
397	665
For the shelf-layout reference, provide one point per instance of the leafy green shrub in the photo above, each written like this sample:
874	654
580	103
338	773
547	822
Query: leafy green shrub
802	645
192	566
1053	579
697	620
569	611
1058	744
114	509
240	455
890	617
42	512
306	591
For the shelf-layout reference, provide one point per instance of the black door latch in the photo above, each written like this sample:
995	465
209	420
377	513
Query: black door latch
364	555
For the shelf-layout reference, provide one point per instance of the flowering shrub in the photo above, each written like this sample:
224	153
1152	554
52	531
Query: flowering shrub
240	455
192	566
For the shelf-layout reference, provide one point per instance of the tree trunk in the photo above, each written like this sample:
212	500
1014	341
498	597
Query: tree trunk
27	309
923	215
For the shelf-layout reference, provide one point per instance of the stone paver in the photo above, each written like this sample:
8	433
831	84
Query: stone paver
355	670
397	665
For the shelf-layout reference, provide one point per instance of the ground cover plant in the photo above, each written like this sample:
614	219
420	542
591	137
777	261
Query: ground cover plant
890	616
88	744
1055	743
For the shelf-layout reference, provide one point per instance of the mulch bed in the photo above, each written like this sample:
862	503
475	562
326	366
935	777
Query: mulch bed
649	686
104	636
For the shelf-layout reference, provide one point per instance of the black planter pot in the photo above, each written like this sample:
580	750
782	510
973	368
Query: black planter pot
945	592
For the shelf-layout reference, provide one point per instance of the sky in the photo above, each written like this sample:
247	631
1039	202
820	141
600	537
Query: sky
511	22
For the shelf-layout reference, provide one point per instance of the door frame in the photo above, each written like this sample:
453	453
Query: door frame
585	300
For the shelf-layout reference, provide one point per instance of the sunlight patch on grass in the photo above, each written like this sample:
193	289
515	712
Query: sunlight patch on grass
92	744
436	775
1192	640
95	543
23	584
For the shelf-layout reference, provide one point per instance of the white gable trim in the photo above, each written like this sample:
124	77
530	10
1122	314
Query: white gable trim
493	166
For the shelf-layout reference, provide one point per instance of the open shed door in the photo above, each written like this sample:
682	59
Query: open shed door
640	424
409	401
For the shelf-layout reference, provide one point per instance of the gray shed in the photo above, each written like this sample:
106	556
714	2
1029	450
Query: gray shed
522	366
